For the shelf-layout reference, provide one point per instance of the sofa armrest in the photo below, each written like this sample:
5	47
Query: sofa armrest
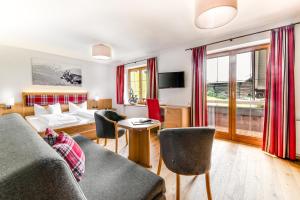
43	179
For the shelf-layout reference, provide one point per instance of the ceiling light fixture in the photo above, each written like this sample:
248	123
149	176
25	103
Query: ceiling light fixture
101	52
214	13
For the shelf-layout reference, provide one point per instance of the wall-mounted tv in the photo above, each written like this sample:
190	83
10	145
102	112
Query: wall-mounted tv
171	80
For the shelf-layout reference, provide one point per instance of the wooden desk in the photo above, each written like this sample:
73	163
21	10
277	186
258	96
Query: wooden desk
139	140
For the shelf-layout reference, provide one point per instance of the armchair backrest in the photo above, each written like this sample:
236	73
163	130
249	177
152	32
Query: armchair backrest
105	128
187	151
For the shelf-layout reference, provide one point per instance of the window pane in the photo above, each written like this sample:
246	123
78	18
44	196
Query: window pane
212	70
137	77
144	89
218	93
250	89
144	75
244	66
223	69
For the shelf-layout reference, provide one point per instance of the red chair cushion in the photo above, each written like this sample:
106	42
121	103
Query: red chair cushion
154	109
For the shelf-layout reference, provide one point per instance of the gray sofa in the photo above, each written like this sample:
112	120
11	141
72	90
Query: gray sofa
31	169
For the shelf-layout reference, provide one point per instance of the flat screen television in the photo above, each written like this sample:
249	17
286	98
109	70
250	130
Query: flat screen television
171	80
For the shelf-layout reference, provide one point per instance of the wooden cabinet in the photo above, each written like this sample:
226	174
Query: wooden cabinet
176	116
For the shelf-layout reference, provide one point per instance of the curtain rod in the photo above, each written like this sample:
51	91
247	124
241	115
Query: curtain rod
133	62
234	38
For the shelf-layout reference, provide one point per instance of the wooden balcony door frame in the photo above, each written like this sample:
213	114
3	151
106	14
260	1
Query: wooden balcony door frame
232	133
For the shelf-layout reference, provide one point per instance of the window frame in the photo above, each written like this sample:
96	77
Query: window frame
141	100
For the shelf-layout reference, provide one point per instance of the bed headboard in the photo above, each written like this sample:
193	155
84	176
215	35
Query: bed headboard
48	98
45	99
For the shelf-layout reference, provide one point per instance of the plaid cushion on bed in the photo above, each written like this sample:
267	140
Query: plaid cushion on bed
45	100
50	136
72	153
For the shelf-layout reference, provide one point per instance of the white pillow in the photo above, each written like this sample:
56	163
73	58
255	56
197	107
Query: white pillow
55	109
39	110
73	107
83	105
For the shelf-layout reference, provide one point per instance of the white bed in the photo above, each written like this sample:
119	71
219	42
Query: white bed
84	125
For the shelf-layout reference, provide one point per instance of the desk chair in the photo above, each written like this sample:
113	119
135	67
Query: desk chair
187	151
154	111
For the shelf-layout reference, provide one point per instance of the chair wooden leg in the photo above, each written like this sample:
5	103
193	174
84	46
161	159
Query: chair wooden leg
97	140
177	187
126	137
159	165
207	180
105	142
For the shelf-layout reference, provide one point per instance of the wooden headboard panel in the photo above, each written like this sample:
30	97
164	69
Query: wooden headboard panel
47	98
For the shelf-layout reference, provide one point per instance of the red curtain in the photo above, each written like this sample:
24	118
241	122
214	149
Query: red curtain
152	90
279	126
199	104
120	84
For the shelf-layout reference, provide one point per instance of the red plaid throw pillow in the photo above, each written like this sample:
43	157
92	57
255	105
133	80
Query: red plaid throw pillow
72	153
50	136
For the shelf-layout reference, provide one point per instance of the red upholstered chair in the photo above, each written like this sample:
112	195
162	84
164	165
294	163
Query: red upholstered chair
154	111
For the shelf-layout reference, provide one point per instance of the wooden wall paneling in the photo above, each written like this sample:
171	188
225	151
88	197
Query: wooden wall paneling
17	108
105	104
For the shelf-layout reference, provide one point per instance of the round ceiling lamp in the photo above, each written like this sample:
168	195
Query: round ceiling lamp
101	52
214	13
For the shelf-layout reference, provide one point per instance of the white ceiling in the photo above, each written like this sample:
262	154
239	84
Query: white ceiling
133	28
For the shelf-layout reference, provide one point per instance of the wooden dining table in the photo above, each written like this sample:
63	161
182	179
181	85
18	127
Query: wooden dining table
139	139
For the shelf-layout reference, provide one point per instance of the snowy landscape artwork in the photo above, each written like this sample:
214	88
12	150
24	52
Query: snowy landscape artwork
45	72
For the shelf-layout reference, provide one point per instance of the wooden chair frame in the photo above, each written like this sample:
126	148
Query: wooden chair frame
207	181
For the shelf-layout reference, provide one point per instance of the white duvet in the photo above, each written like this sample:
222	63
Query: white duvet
86	113
53	120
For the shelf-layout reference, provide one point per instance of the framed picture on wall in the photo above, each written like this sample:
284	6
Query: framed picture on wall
46	72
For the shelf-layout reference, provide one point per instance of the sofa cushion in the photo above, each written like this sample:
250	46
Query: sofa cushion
72	153
110	176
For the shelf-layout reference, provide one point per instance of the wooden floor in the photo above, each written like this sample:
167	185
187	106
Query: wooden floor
238	172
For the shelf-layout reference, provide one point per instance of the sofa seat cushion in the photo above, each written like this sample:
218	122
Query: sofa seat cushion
110	176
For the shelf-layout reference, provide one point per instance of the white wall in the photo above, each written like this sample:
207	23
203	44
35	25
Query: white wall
16	76
176	60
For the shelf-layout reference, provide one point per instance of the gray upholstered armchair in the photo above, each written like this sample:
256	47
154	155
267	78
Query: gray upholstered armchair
106	127
187	151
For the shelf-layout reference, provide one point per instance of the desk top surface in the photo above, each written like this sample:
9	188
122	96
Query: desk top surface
128	123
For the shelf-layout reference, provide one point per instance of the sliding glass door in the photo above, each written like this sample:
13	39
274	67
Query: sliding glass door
236	92
218	93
